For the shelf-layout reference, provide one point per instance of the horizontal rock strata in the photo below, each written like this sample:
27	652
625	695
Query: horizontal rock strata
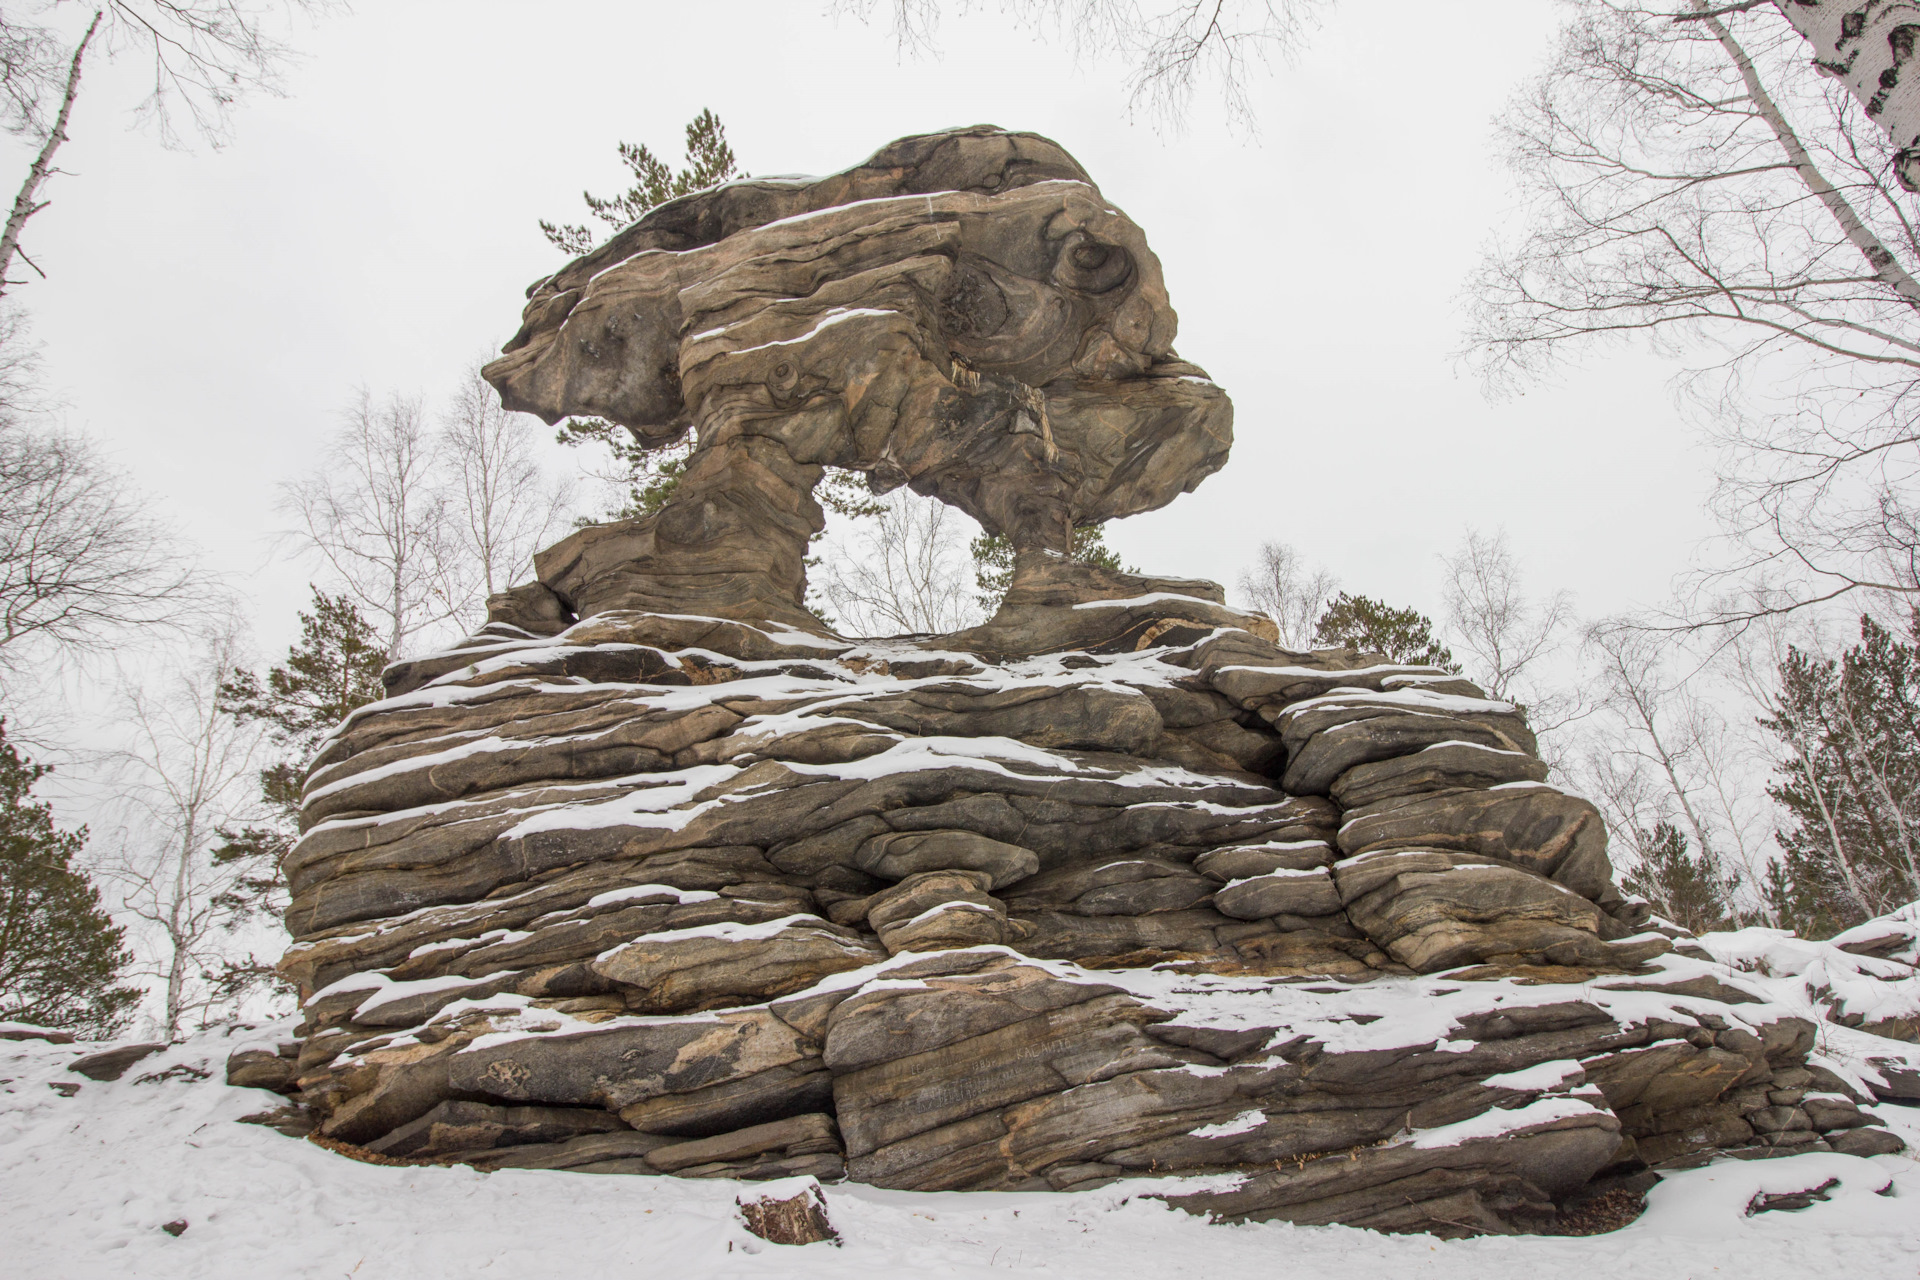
934	920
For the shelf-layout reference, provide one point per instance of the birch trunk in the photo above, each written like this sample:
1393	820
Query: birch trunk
24	204
1896	813
1867	48
1840	858
1642	702
1886	268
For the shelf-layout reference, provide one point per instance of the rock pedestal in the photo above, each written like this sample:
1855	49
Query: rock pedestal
656	875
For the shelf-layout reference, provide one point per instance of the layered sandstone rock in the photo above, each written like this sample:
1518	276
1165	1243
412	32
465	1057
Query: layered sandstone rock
656	875
933	921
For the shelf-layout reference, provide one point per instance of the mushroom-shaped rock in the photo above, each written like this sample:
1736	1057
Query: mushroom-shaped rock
963	313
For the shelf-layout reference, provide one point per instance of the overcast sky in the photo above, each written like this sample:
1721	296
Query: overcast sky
210	313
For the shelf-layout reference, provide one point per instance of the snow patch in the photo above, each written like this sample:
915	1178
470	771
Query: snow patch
1245	1122
1497	1123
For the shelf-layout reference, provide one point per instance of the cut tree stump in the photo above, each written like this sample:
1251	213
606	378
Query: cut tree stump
788	1211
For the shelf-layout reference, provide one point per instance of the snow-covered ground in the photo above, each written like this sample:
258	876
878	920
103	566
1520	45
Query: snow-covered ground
88	1182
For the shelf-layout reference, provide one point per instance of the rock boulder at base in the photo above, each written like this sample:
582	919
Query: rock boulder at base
111	1064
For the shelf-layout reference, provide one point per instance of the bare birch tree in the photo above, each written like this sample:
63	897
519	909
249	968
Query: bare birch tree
376	515
1280	584
82	561
416	527
27	201
905	569
1509	636
187	769
501	507
1695	183
1659	752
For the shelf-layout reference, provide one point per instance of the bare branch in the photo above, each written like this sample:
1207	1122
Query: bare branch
1279	584
501	509
185	770
1508	634
204	55
1170	47
1698	186
81	561
1660	751
904	571
377	517
1720	12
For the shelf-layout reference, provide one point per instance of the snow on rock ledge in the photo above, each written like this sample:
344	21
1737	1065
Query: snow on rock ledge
727	955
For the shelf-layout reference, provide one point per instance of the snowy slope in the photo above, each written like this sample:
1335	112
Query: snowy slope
87	1182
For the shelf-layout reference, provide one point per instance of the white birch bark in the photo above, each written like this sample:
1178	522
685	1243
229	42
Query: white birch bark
1885	266
27	202
1868	45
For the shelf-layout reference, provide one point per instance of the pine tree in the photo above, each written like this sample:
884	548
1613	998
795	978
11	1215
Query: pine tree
649	472
333	668
1800	896
1687	888
1371	626
61	955
993	560
1848	779
710	161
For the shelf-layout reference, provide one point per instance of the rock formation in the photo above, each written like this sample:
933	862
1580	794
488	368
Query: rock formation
963	314
654	874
